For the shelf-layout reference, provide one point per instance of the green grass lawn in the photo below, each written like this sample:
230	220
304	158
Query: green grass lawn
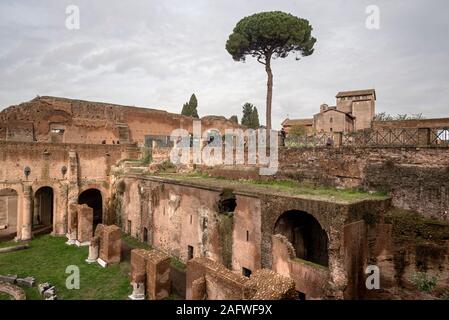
4	296
285	187
47	260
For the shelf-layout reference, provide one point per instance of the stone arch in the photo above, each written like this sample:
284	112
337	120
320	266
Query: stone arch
44	207
309	240
94	198
9	212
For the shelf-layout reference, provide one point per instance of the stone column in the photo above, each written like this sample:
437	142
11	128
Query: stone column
27	214
94	249
72	224
138	291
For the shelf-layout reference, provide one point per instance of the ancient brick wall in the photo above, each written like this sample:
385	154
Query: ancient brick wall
416	178
184	220
207	279
52	119
68	169
400	252
309	278
151	267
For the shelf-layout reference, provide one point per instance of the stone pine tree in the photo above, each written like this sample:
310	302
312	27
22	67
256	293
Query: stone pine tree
250	116
270	35
234	119
190	108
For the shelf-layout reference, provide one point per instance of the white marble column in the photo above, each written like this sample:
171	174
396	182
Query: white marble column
27	214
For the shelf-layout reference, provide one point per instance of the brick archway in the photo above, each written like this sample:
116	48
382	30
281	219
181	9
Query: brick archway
309	240
9	213
43	208
94	199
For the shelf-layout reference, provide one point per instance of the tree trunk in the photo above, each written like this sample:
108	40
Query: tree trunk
269	93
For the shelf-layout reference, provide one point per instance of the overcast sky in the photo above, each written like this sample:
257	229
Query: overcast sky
156	53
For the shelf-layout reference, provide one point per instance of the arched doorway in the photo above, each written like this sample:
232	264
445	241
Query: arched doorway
8	214
93	198
305	234
43	208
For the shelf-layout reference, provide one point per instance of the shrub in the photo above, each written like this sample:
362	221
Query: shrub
423	282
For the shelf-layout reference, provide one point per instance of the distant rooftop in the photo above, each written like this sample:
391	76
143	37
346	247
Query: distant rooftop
356	93
297	122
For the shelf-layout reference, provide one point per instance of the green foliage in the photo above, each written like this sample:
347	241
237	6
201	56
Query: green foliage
255	118
297	131
423	282
225	226
147	157
270	34
185	109
4	296
134	243
411	226
287	186
166	166
309	263
250	116
234	119
445	295
191	108
178	264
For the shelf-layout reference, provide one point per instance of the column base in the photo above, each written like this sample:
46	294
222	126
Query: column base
82	244
136	297
90	261
102	263
138	291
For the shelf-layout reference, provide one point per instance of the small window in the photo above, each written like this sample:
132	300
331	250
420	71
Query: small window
332	129
331	120
129	226
246	272
189	252
191	219
247	235
145	235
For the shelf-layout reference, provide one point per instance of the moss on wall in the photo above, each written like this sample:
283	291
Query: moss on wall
410	226
225	227
115	209
147	156
425	239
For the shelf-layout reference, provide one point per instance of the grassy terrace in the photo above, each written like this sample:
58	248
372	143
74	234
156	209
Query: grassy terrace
47	258
278	187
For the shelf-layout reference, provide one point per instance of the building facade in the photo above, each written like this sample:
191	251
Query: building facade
354	110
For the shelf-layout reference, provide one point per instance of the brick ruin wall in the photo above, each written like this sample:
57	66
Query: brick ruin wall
416	178
207	279
51	119
184	221
68	169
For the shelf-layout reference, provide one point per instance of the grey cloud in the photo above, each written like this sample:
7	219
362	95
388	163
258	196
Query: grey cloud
156	53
